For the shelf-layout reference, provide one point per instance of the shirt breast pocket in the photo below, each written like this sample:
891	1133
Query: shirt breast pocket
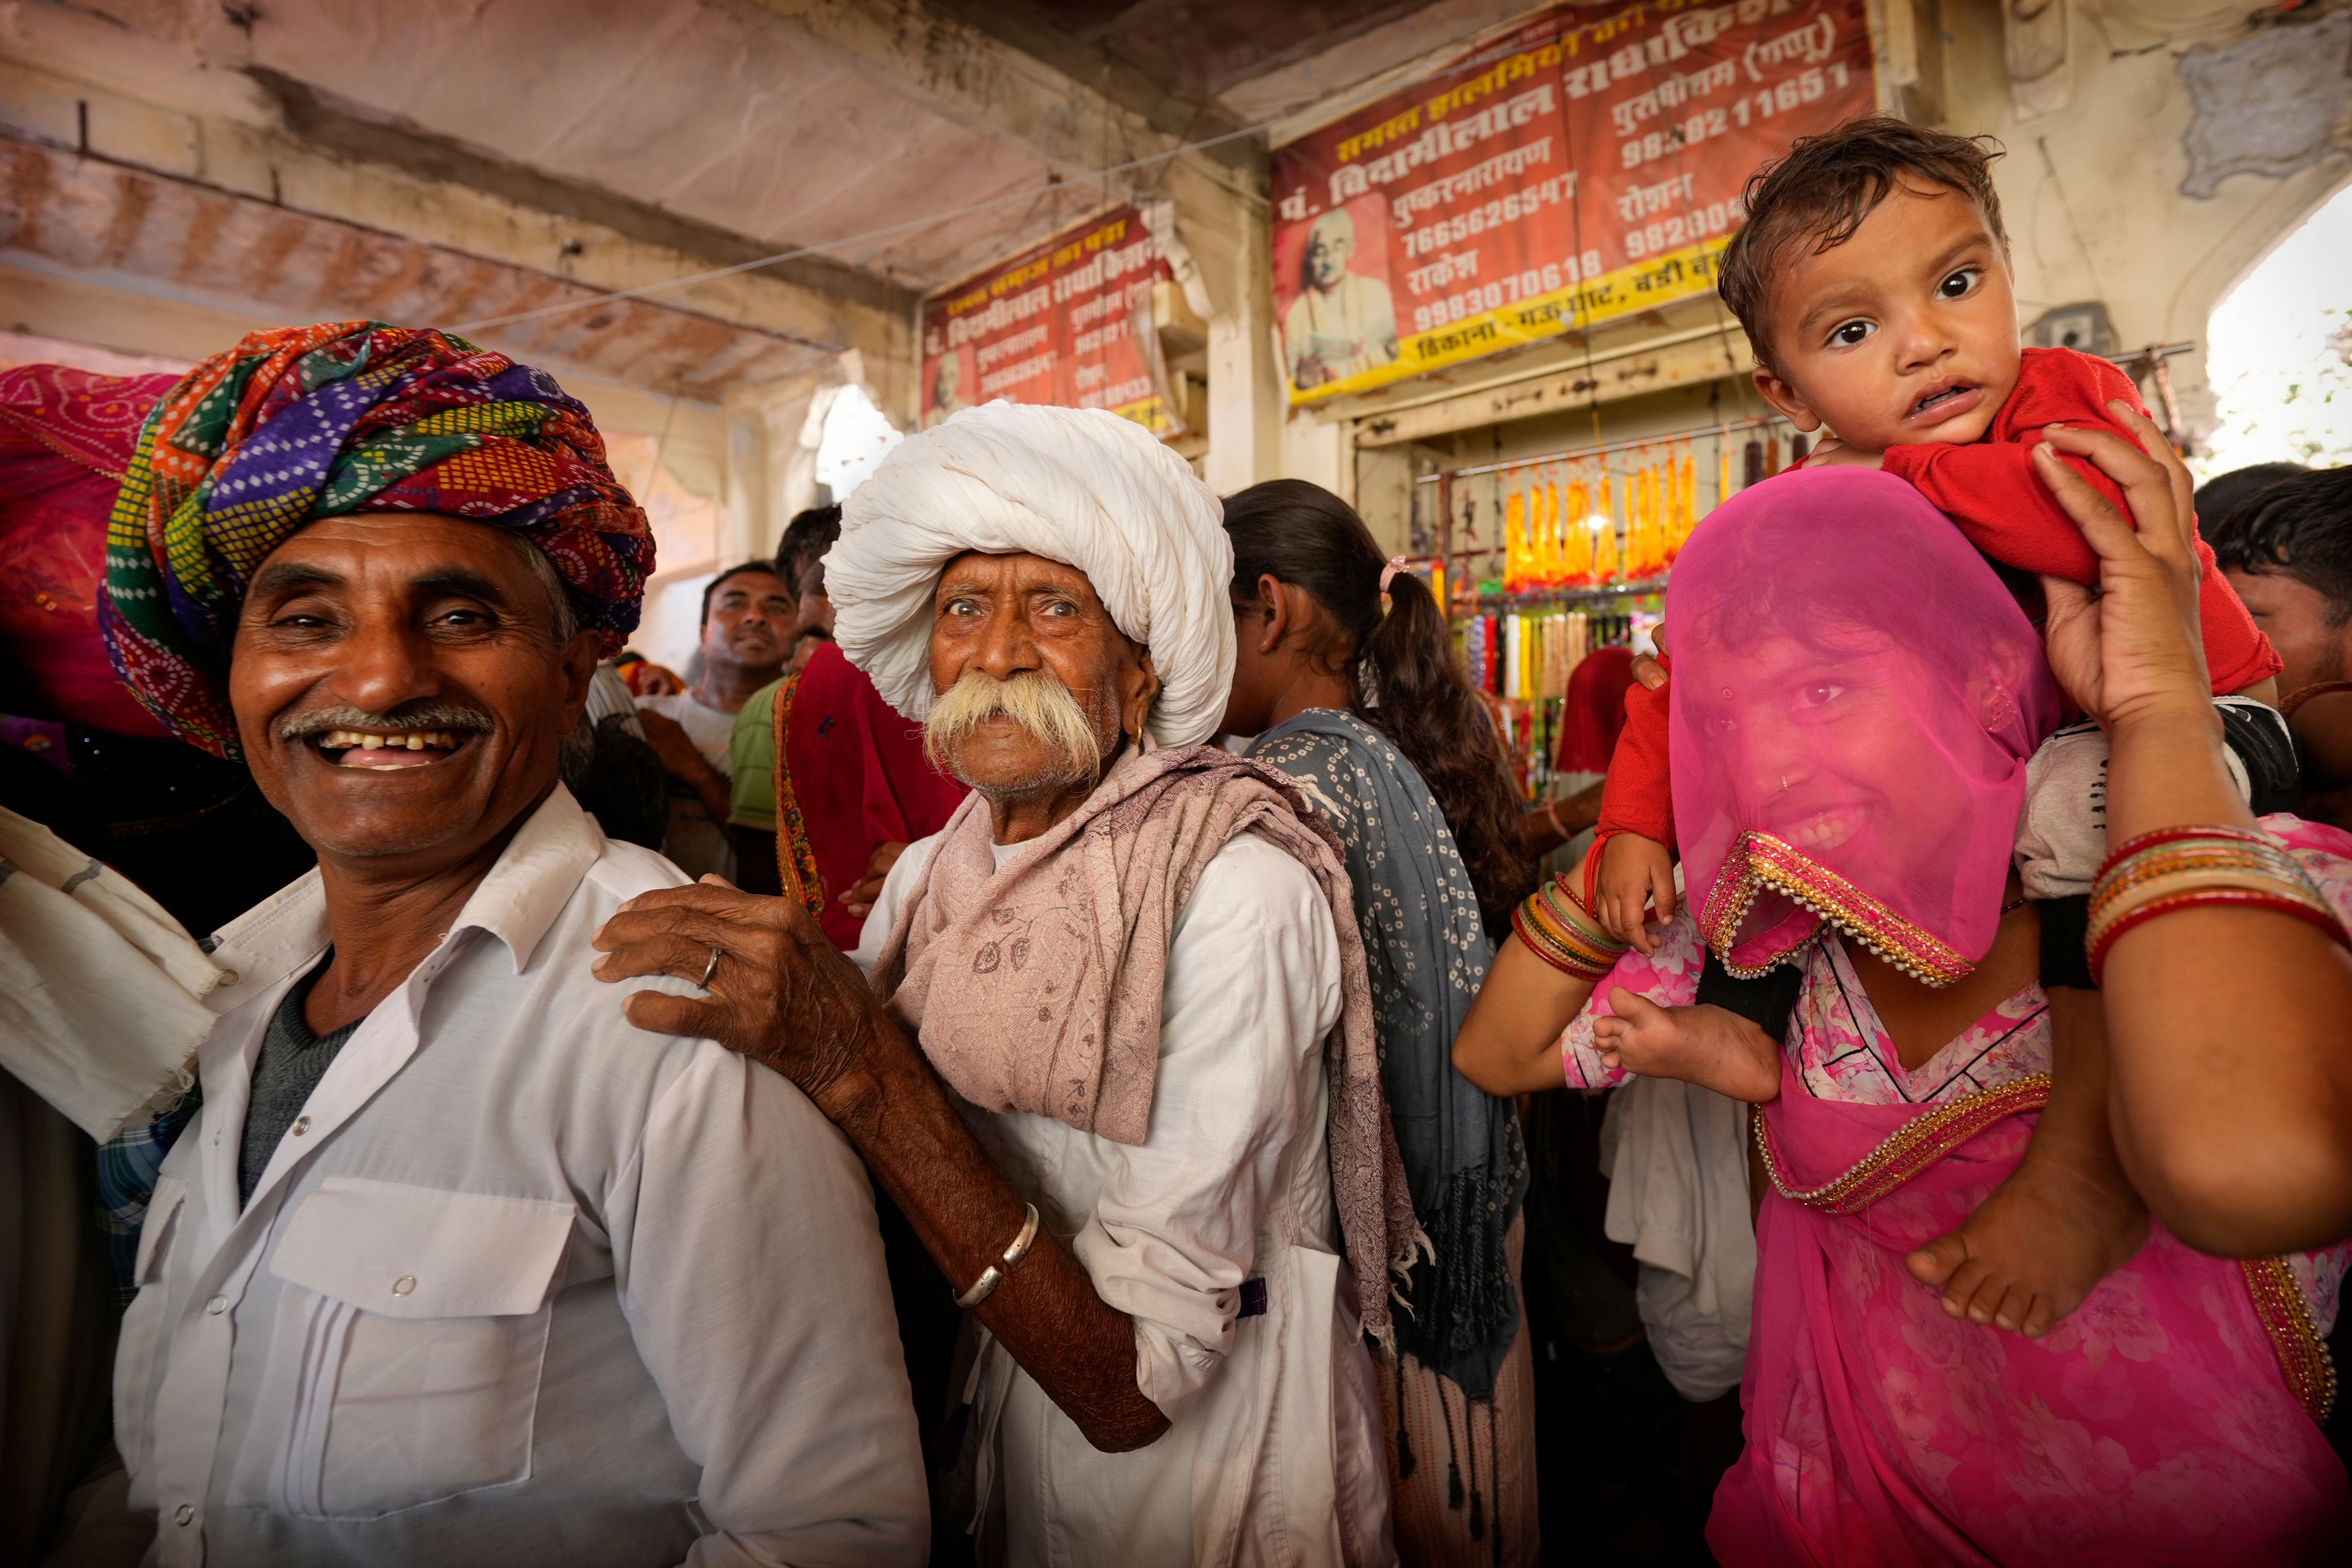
412	1346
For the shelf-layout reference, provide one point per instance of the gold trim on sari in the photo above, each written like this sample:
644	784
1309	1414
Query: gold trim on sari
795	861
1766	861
2303	1353
1910	1148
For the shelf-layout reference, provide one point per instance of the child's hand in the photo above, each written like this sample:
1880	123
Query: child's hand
1707	1046
1834	453
1634	872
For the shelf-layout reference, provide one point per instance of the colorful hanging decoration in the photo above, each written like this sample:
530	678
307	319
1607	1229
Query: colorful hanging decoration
1515	530
1605	568
1576	537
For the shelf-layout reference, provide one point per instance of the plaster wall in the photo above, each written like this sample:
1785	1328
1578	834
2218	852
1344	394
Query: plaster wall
2092	189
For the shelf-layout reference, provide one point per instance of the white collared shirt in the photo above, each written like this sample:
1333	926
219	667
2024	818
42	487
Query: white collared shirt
523	1283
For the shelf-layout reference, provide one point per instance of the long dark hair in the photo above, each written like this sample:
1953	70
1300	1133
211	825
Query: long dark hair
1403	662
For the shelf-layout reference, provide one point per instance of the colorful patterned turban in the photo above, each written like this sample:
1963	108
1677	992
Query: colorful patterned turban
346	417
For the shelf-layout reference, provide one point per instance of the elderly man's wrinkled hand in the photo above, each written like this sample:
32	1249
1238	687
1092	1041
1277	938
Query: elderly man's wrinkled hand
778	991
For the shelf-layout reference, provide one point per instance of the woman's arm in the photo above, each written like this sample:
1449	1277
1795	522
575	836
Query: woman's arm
1548	827
785	996
1509	1044
2230	1030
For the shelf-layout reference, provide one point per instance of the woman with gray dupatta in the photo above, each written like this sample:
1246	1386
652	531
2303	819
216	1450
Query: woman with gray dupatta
1372	717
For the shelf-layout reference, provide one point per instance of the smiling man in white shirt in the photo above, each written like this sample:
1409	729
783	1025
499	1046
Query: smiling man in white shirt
450	1267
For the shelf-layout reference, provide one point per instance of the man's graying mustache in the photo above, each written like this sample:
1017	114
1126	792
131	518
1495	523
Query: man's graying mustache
423	716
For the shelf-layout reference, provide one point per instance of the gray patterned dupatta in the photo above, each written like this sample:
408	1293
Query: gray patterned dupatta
1427	952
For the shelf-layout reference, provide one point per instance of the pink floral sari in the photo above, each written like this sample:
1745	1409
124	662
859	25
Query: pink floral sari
1854	699
2164	1422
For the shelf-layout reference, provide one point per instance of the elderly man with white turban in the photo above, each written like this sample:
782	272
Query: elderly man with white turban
1116	1060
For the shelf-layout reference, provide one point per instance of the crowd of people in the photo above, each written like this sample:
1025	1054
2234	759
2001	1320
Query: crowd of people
1020	1052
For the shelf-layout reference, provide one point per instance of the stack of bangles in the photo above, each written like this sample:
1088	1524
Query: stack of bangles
2198	867
1557	928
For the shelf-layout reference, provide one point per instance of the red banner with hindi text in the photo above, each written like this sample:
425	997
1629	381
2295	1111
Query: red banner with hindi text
1580	168
1068	322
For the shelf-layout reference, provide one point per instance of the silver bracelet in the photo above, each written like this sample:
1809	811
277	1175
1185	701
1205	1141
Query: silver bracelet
993	1275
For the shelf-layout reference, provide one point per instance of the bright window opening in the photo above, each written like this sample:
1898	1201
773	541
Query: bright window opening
2280	353
855	439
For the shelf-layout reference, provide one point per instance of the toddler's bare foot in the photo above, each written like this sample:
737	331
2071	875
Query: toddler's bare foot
1707	1046
2033	1250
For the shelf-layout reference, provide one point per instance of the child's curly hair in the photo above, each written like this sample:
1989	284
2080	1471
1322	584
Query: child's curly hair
1825	186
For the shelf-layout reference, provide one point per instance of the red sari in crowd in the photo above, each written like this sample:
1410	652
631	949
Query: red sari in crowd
851	776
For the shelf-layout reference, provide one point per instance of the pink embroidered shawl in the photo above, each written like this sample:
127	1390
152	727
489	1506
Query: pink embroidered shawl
1036	985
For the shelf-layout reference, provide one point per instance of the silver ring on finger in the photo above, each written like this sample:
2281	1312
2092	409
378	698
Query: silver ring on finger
709	970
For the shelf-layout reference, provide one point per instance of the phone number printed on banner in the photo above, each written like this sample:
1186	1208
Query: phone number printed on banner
1808	85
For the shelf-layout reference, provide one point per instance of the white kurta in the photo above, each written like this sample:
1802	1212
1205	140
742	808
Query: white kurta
1272	1454
523	1284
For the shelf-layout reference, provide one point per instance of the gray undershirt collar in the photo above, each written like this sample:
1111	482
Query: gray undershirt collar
292	1061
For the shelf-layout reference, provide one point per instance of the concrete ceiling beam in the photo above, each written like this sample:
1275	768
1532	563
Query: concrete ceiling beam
87	221
230	134
997	89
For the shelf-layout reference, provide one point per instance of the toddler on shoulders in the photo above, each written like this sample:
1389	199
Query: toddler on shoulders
1872	280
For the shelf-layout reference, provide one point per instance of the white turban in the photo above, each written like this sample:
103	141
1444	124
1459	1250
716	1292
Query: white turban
1083	487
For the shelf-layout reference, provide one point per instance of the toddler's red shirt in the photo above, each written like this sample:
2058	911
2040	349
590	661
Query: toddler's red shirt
1990	490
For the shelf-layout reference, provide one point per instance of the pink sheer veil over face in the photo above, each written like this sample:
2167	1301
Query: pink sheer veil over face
1855	697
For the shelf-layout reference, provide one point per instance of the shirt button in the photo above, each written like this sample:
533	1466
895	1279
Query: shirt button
216	1306
183	1513
228	977
301	1125
404	1285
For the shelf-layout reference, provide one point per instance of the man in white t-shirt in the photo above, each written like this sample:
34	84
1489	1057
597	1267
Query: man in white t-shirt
748	622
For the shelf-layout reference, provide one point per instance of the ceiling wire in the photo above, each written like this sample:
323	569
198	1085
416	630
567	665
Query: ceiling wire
665	285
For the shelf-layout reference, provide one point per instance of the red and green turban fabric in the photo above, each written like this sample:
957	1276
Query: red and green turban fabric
347	416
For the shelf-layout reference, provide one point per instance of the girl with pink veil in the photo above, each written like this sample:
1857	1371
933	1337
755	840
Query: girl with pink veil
1856	698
